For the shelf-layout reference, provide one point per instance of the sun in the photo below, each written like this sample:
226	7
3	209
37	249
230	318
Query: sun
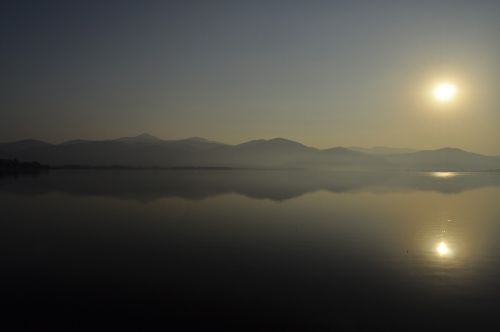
444	92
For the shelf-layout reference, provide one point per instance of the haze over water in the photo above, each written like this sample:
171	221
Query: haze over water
252	249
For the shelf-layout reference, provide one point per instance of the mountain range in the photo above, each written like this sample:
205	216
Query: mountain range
149	151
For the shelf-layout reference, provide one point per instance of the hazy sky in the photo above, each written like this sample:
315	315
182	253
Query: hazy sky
325	73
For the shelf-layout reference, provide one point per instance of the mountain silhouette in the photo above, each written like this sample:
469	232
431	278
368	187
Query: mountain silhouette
382	150
143	138
451	159
13	147
149	151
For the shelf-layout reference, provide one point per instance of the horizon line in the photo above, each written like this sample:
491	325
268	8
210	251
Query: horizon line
351	147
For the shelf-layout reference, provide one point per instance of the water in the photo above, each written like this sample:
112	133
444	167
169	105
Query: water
256	250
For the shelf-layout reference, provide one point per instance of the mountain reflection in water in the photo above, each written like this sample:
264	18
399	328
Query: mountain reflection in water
277	185
256	250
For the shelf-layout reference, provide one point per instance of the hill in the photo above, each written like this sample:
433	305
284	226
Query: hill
450	159
149	151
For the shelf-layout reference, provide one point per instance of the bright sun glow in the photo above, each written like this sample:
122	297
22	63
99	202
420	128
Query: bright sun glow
442	249
444	92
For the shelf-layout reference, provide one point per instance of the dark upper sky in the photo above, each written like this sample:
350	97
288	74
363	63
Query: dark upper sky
325	73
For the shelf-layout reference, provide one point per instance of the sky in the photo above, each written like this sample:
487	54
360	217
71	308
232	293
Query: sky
325	73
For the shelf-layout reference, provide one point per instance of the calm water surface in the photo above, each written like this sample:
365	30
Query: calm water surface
257	250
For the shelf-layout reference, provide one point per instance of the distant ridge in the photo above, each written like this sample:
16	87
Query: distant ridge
342	150
382	150
274	143
23	145
197	139
452	159
142	138
146	150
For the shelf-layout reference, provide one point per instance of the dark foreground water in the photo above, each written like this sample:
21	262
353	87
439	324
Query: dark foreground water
250	250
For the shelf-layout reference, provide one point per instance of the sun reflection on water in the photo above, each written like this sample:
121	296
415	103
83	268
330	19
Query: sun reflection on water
443	250
444	175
